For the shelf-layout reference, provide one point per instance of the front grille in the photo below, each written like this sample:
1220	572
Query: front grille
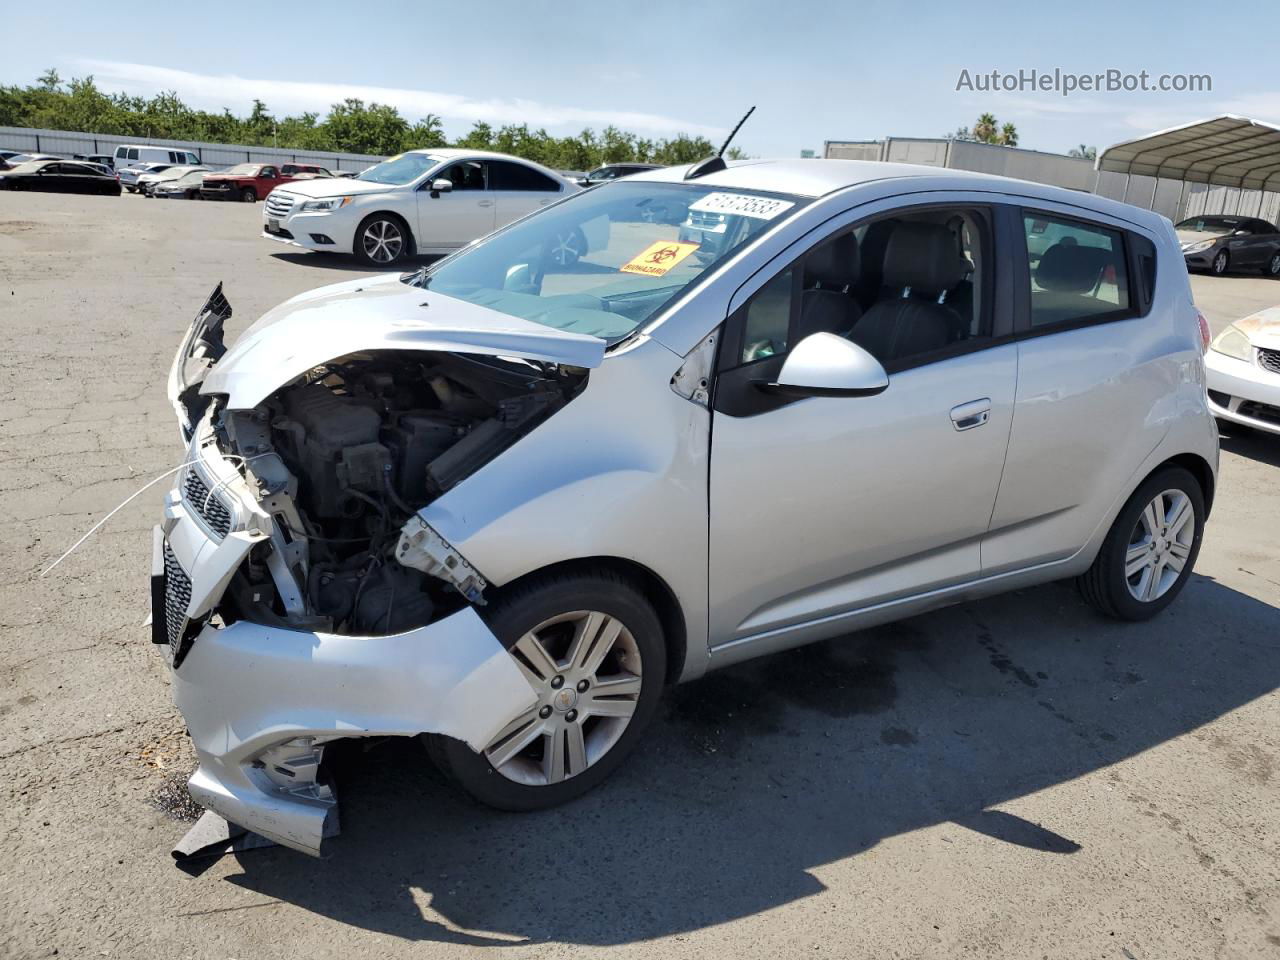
1269	360
208	508
216	185
177	598
1260	411
279	206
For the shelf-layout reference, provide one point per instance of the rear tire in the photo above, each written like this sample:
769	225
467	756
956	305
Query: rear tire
1272	269
1136	573
598	667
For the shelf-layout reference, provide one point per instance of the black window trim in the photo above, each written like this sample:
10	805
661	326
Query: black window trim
998	309
1138	307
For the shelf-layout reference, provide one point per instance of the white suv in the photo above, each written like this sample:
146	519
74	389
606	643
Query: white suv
423	201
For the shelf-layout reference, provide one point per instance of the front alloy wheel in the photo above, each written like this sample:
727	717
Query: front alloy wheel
587	671
381	241
1220	262
592	650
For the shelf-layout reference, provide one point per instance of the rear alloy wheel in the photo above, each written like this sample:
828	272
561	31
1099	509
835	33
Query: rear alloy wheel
1273	265
591	648
249	195
1220	263
381	241
1150	550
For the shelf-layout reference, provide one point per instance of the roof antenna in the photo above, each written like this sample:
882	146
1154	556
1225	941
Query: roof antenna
716	164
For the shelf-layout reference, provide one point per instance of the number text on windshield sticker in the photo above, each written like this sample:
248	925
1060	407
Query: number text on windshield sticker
742	205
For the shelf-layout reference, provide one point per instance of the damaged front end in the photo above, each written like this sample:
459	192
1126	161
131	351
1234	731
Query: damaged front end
300	594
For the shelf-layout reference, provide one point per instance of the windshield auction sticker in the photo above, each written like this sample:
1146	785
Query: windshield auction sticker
658	258
742	205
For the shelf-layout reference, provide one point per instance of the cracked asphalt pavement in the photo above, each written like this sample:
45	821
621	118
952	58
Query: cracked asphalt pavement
1014	777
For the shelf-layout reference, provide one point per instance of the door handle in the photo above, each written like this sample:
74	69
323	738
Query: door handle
543	203
972	414
484	203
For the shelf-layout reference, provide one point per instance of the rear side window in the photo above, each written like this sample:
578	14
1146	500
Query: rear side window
516	176
1078	271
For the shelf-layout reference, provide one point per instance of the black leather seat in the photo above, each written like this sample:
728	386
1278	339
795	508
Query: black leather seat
827	305
921	264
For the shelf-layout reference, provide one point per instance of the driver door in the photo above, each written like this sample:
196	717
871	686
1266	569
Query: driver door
455	218
821	506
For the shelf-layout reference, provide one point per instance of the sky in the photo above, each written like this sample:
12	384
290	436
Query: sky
815	71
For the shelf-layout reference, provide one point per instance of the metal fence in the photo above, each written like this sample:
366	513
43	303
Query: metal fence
1175	199
66	143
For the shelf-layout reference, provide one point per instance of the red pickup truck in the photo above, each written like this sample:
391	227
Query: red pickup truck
253	181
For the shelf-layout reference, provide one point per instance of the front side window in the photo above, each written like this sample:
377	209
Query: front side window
1081	275
268	172
133	153
603	262
467	175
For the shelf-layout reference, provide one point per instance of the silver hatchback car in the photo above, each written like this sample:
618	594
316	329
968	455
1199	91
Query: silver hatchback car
502	502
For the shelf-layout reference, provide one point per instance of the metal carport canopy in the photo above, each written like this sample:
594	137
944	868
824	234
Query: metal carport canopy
1227	151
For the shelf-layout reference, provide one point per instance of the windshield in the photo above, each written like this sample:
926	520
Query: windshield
243	170
606	260
401	169
1218	225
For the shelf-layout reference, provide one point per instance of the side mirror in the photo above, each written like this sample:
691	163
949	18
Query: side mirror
519	278
825	365
440	186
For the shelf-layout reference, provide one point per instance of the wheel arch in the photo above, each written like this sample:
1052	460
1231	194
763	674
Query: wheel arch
1199	468
651	586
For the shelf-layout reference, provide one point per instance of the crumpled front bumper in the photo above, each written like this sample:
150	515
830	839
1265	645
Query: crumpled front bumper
261	701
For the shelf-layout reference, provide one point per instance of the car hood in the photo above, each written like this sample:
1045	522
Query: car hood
377	314
1262	328
335	187
1195	236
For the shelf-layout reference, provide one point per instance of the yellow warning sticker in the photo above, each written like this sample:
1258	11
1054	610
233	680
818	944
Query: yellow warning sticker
658	258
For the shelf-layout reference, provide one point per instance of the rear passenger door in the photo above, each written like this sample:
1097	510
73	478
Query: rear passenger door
823	506
1091	378
519	190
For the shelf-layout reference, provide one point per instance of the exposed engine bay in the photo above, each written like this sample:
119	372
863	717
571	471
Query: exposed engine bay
343	458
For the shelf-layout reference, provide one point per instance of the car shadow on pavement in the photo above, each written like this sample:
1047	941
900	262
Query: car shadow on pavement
757	774
1254	444
337	261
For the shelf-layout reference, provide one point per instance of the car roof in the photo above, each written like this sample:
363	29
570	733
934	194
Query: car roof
453	153
816	178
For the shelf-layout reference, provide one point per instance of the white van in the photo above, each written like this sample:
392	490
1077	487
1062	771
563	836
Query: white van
130	155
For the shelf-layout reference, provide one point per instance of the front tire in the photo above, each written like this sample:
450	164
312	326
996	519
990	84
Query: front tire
592	648
1152	546
249	195
568	248
382	240
1221	263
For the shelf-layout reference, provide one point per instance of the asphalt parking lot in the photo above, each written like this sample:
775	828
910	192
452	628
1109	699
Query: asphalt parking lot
1008	778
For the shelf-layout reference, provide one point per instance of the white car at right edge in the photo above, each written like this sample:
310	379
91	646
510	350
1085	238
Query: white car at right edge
422	201
1243	370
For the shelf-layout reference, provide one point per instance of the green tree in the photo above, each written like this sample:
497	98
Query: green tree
1083	152
1008	136
49	80
984	131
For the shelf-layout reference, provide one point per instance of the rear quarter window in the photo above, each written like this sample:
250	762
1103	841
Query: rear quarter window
1079	271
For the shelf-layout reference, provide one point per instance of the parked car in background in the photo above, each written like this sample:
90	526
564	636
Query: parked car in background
1220	244
147	182
60	176
250	182
423	201
185	187
18	158
1244	372
425	503
129	175
612	171
9	154
102	159
132	155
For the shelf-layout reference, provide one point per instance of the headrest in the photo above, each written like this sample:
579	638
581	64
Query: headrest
1070	268
834	264
923	256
